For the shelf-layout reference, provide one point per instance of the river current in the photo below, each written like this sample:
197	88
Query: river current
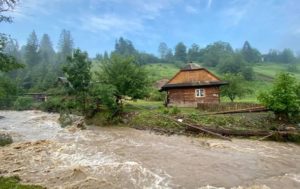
119	157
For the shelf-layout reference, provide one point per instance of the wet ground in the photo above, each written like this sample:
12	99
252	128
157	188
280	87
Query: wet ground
115	157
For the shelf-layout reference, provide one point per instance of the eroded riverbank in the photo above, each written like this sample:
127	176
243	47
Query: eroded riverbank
115	157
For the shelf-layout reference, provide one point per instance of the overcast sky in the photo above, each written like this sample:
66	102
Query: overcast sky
95	24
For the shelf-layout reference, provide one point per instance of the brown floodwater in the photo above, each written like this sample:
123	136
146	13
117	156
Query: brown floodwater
120	157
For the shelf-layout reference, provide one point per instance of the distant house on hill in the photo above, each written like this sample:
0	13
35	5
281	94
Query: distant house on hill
192	85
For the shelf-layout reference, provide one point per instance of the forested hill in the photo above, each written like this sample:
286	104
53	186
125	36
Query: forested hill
43	63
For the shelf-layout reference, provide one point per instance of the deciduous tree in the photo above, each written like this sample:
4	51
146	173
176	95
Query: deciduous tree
235	88
77	71
124	77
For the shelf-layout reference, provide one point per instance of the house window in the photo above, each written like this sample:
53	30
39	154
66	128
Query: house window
200	93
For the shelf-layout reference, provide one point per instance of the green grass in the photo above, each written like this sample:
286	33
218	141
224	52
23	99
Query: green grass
161	71
271	69
264	72
14	183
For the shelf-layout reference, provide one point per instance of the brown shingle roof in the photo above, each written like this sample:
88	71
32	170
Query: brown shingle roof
191	66
195	84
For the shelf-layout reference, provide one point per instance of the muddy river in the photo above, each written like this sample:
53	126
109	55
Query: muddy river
43	153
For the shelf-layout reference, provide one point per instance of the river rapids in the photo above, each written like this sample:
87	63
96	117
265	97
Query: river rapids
43	153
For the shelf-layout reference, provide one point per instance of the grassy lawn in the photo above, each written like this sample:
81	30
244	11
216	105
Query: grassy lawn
14	183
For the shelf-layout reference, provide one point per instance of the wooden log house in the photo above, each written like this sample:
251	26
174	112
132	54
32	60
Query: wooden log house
192	85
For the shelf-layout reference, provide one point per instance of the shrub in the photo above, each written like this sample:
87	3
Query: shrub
175	110
53	105
155	95
5	139
284	97
23	103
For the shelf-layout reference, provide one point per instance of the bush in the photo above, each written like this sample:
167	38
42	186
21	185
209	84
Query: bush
53	105
175	110
172	111
23	103
5	139
284	97
155	95
292	68
8	92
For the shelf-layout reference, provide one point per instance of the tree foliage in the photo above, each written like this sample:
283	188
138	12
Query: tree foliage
124	47
251	55
77	70
31	50
8	92
180	52
286	56
235	64
46	51
163	50
65	46
193	53
6	6
235	88
123	77
214	53
7	62
284	97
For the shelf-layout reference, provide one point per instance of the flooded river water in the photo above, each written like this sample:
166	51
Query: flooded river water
115	157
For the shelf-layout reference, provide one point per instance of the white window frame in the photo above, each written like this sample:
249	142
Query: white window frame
200	93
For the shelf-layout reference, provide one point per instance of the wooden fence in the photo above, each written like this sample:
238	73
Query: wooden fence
226	106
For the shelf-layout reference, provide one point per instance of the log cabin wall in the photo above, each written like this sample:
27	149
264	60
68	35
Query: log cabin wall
191	76
186	97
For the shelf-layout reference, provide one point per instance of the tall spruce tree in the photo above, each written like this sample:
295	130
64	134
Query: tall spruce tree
65	46
124	47
251	55
46	50
31	50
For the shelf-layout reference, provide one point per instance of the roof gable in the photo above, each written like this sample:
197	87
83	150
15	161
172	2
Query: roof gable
193	76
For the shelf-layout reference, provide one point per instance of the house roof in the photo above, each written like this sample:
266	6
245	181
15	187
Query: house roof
191	66
195	84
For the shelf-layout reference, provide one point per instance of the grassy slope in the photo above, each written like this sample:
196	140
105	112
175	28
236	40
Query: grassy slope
161	71
265	73
14	183
271	69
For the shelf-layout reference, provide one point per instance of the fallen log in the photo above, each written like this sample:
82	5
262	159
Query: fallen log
223	133
202	129
249	133
246	110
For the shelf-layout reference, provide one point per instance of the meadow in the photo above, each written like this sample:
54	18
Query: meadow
264	76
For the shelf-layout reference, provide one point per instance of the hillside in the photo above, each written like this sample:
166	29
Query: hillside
264	73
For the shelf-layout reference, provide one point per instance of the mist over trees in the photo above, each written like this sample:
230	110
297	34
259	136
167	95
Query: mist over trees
43	64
